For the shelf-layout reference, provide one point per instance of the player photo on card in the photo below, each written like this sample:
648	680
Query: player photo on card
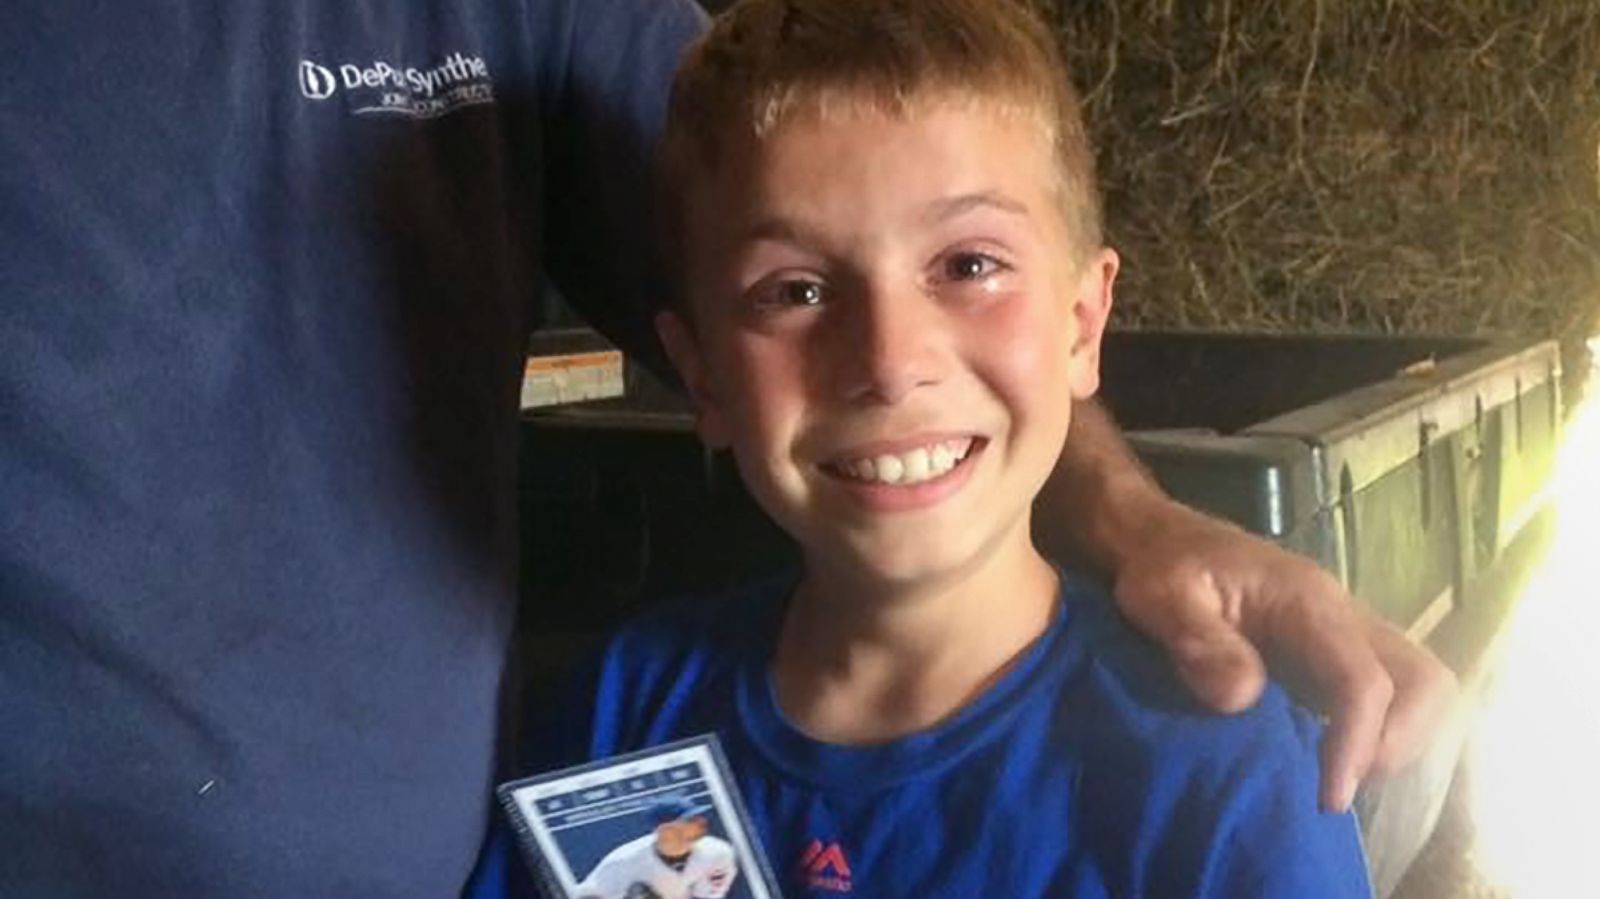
666	823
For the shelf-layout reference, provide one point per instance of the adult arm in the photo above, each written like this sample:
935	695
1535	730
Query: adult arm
1217	599
602	121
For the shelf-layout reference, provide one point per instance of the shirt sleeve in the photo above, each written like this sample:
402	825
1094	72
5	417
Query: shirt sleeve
605	708
556	737
1274	842
602	122
501	872
1181	803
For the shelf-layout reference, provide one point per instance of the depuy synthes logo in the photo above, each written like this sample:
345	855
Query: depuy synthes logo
316	82
383	88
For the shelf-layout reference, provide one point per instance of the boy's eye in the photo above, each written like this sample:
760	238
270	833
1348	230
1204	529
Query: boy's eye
971	266
793	292
801	293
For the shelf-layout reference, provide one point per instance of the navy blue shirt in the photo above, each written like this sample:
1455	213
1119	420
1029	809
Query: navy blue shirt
1085	772
267	271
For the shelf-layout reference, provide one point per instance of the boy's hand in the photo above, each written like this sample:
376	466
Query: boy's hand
1217	597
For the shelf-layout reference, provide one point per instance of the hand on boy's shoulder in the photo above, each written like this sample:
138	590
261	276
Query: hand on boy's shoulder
1138	670
1181	789
1217	598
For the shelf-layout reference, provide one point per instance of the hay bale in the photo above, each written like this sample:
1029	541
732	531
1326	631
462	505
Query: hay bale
1393	166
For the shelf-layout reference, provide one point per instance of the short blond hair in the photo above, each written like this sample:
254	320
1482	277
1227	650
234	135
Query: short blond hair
765	60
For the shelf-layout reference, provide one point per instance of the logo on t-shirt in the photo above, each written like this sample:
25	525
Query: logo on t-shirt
823	867
386	88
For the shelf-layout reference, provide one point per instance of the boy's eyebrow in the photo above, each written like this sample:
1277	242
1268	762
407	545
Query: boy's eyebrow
950	207
785	230
777	229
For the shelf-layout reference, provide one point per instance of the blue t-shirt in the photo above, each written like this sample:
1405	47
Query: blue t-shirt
1086	771
267	271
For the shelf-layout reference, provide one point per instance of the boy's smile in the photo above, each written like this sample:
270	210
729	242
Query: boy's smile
907	473
906	463
891	320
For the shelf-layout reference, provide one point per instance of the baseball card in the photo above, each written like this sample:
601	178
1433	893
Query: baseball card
665	823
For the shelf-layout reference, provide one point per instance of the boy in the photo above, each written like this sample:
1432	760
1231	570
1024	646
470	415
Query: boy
894	287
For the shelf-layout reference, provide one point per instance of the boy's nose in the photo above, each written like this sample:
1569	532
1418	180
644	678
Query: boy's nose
893	340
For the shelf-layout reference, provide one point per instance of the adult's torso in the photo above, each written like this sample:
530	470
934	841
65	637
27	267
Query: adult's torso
266	272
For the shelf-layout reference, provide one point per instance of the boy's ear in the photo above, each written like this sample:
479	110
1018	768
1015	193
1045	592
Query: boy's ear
684	351
1092	310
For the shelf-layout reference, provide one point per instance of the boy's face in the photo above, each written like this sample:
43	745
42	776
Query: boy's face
891	323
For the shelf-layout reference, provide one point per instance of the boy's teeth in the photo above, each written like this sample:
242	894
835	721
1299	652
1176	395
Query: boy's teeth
917	465
890	469
911	467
